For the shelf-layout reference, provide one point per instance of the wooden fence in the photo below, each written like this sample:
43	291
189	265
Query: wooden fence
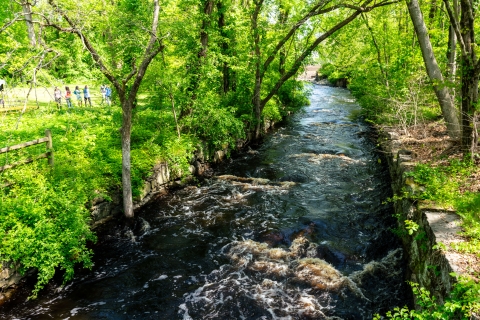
49	154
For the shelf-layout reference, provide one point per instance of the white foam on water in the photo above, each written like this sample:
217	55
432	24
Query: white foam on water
74	311
276	280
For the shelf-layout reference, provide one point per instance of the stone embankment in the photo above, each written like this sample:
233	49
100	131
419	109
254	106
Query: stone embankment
160	180
430	263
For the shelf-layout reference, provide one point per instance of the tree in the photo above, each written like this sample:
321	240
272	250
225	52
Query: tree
27	12
125	84
318	8
445	100
464	27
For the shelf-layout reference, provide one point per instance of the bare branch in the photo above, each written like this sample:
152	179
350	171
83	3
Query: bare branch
16	18
299	60
456	27
74	29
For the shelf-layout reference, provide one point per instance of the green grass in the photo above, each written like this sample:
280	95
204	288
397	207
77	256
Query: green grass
443	185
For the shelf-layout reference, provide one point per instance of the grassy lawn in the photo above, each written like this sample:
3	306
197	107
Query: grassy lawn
15	98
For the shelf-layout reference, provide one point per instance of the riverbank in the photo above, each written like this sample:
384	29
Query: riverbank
435	236
48	212
298	223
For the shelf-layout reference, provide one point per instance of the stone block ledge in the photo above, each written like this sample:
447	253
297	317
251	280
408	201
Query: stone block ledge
429	262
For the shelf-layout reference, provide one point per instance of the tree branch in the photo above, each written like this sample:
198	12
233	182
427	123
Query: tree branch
298	61
456	27
74	29
16	18
290	33
315	11
150	52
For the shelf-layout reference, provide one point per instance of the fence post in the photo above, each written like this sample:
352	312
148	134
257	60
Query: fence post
49	144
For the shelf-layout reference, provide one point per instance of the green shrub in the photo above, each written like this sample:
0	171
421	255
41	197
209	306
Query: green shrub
462	303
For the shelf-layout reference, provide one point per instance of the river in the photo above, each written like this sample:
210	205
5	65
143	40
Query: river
297	229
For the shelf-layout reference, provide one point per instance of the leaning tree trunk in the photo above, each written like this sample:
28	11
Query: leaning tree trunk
282	55
433	70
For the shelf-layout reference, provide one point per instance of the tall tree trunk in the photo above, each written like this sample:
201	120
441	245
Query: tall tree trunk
433	70
127	107
469	73
27	12
207	11
282	55
258	72
451	55
153	48
224	47
452	49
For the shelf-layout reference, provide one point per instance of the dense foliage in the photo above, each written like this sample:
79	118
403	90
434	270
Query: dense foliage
462	303
379	57
45	211
223	69
196	94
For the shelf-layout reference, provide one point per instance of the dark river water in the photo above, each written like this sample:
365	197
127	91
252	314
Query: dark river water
297	229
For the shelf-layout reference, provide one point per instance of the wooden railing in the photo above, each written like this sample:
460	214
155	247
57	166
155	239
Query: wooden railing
49	154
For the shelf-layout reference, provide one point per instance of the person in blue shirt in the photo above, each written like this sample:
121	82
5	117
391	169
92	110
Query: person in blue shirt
86	96
78	94
108	95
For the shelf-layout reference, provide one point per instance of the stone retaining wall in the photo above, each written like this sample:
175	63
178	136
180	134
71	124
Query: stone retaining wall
428	267
103	210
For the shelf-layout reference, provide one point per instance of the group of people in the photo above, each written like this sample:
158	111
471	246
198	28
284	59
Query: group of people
105	91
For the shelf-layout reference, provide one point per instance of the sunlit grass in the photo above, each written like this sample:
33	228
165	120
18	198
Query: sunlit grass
444	185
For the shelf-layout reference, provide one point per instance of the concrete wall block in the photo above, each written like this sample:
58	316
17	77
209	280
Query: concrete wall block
102	210
427	267
219	156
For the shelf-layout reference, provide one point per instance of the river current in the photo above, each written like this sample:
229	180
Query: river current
297	229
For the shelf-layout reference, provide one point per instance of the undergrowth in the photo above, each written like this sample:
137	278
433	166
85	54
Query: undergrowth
443	185
44	212
462	303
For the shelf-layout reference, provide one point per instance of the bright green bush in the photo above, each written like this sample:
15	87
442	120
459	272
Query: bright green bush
462	303
44	216
44	223
442	185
